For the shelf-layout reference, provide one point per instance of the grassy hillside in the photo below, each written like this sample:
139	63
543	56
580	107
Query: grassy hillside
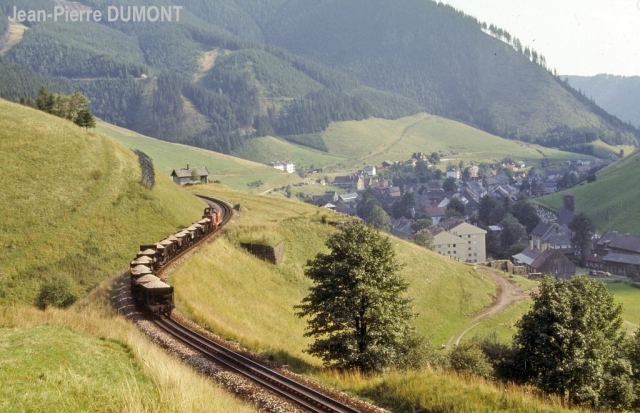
254	316
242	298
612	200
72	207
72	204
89	358
233	172
380	139
268	149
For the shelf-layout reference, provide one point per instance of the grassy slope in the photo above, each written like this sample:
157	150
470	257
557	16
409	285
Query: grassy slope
612	201
71	205
218	289
353	144
89	358
70	194
233	172
380	139
268	149
219	284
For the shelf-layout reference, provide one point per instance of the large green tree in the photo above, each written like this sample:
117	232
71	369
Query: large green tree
570	344
583	230
357	309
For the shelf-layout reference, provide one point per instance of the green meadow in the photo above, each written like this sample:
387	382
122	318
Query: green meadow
611	202
233	172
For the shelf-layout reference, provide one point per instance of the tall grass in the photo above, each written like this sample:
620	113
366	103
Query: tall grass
435	390
88	358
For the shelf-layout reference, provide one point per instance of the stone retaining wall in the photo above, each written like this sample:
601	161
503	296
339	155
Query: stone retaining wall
264	252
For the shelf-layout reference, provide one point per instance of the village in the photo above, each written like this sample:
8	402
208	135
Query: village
469	212
417	196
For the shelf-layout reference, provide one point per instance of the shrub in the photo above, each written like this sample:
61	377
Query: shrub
57	292
469	358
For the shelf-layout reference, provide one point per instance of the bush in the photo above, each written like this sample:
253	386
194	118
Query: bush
57	292
469	358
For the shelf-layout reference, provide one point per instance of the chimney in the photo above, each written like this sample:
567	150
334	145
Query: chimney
544	247
538	244
531	244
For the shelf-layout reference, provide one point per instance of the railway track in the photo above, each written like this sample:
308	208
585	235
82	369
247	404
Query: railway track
306	397
285	387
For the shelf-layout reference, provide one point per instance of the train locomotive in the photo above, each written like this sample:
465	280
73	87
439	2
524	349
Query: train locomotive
151	294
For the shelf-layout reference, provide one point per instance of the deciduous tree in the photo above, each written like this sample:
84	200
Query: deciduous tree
357	309
379	219
570	344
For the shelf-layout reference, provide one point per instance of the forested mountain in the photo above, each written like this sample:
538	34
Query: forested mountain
618	95
230	70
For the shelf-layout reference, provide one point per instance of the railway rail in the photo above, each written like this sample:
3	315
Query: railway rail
285	387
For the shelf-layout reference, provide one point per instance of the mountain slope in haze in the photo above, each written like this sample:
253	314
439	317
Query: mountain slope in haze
148	77
322	62
442	59
618	95
72	204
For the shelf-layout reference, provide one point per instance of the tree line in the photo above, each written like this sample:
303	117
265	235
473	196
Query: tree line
72	107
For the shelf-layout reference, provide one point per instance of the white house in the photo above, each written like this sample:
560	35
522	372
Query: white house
454	173
285	166
369	170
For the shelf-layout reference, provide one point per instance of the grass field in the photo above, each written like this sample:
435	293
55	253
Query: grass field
611	201
72	204
217	288
629	297
233	172
379	139
269	149
88	358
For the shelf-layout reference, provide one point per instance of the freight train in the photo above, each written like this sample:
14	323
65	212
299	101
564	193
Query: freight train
151	294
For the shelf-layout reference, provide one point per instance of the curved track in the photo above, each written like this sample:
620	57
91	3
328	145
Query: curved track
304	396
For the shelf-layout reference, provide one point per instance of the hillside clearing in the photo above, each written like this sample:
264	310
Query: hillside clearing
13	36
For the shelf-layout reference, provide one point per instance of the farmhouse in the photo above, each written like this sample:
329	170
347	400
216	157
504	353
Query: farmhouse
539	259
190	175
351	182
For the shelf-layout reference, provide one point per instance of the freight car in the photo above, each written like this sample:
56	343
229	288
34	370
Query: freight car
150	293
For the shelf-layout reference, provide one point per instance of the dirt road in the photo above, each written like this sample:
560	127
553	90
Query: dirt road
507	293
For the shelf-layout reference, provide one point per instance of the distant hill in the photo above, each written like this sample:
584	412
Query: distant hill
231	71
619	95
612	200
72	204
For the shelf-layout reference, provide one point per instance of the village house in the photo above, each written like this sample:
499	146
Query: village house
539	259
615	253
453	173
350	182
285	166
369	171
190	175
